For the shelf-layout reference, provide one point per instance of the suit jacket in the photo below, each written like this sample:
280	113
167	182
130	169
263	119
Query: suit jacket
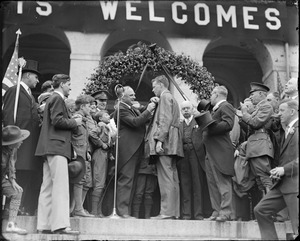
259	143
131	132
217	142
289	160
196	141
55	137
27	118
165	127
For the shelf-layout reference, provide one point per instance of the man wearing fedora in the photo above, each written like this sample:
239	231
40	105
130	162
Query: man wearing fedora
219	159
12	139
260	150
28	166
55	146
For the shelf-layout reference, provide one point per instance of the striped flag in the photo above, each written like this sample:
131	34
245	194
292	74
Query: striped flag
11	77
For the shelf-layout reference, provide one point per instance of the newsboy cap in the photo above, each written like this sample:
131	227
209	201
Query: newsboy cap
258	87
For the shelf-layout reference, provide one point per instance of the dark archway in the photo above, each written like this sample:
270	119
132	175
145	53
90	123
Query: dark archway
235	68
51	52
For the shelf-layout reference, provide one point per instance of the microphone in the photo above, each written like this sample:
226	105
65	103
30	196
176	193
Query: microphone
119	91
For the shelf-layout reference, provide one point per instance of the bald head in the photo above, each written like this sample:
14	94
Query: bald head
187	109
291	87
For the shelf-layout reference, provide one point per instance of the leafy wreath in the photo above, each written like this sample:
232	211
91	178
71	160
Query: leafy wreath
120	68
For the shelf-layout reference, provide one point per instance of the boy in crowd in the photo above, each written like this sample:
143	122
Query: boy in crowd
12	139
81	148
102	140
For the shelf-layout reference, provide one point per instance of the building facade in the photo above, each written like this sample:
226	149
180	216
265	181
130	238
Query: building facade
237	41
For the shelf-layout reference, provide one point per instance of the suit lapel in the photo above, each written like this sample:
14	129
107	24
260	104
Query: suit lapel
289	137
25	93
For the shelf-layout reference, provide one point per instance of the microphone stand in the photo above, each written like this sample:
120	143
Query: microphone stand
114	214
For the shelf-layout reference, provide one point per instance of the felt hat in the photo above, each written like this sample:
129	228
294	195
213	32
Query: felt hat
31	66
258	87
76	169
100	95
203	105
13	134
204	119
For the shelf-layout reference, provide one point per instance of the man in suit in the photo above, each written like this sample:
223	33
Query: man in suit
260	150
165	143
28	166
285	190
191	168
55	145
131	146
219	155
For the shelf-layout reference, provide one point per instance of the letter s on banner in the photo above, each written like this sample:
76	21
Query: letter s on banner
268	13
46	10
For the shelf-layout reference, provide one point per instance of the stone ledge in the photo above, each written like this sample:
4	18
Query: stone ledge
128	229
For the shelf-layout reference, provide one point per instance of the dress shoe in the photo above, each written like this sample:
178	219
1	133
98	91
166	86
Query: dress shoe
66	231
82	213
161	217
128	216
185	218
46	231
199	218
12	228
211	218
222	218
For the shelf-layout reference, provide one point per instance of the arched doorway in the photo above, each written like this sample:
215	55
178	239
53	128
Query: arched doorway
125	40
235	68
51	52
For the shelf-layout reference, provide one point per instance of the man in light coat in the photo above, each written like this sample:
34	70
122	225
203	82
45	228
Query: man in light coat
165	143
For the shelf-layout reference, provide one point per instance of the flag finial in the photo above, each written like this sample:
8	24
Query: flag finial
18	32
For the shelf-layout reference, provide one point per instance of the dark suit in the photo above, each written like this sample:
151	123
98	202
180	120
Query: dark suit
55	145
131	145
219	159
28	166
191	173
284	192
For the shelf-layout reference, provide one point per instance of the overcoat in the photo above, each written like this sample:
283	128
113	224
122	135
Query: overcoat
217	142
131	132
55	136
165	127
289	159
28	119
259	143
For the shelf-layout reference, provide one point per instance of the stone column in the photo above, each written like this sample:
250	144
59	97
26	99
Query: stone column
84	58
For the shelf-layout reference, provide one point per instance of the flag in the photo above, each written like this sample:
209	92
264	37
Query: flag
11	77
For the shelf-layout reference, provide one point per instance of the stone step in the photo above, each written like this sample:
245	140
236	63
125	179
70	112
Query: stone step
145	229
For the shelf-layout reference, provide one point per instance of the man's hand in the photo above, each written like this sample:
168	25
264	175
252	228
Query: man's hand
154	99
16	186
244	108
151	106
104	146
78	119
159	148
277	172
236	153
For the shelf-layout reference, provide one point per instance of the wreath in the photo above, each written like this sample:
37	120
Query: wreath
120	68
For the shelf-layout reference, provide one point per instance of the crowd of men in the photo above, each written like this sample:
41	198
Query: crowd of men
209	165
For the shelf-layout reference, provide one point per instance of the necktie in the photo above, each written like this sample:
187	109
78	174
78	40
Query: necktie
287	131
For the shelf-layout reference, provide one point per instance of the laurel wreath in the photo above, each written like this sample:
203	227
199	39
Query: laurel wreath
124	68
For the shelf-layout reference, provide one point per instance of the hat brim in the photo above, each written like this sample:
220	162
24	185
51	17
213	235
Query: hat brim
82	171
208	124
24	135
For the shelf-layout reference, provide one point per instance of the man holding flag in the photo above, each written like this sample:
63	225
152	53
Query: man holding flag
25	116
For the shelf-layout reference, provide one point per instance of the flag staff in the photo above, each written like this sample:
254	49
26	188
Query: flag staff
22	63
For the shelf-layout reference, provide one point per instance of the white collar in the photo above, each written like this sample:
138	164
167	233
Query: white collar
292	122
218	104
26	87
188	121
62	96
163	92
294	97
290	126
